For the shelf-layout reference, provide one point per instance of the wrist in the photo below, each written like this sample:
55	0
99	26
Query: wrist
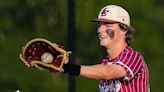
72	69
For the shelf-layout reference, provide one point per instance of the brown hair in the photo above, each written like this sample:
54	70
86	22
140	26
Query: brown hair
129	35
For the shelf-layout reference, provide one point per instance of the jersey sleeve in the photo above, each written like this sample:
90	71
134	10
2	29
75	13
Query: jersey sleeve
131	62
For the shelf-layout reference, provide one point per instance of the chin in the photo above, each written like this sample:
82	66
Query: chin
103	44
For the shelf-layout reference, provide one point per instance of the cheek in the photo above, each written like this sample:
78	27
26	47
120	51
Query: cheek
111	33
117	36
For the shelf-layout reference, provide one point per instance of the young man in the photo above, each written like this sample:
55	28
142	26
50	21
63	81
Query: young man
124	69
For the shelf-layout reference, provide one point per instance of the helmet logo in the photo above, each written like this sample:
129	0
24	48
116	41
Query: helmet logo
104	12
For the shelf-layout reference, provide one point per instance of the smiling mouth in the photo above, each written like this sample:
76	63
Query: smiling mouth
102	36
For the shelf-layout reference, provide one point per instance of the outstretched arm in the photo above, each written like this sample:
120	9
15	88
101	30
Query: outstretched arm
102	72
98	72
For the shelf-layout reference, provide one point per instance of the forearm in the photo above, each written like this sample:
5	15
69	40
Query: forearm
91	72
98	72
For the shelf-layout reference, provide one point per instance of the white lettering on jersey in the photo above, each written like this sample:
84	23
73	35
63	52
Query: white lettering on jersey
110	86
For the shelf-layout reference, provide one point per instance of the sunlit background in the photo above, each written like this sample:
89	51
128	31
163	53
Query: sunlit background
23	20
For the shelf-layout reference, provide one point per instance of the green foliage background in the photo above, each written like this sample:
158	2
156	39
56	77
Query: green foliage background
23	20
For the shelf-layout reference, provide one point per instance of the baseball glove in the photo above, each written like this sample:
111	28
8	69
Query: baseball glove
34	49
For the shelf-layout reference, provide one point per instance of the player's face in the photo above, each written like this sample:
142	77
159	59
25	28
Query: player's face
109	34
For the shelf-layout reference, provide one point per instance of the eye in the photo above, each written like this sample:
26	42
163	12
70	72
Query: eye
101	23
109	26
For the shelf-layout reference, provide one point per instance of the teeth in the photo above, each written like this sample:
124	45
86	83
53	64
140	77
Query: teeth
102	36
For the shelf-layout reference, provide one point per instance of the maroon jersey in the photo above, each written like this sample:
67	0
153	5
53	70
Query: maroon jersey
137	79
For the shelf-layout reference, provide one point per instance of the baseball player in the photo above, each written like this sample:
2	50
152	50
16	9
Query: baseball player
124	69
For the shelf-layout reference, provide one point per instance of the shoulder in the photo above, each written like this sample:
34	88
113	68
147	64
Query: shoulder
130	55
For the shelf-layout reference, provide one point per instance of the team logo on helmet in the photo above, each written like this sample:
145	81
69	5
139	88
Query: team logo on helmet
104	12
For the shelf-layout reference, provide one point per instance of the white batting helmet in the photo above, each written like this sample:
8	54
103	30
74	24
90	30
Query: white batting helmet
113	13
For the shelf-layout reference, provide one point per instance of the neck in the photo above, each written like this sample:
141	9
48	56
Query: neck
116	50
